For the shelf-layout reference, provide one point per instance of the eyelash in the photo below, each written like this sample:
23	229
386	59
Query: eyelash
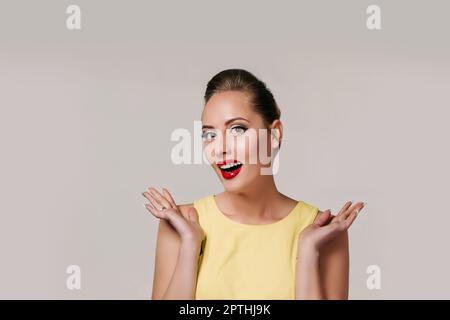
205	133
240	127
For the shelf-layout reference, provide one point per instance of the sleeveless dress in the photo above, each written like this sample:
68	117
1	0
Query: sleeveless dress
248	261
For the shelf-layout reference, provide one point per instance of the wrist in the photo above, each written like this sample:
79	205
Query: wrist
190	244
308	252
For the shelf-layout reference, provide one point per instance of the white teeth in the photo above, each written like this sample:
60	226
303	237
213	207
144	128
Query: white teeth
230	165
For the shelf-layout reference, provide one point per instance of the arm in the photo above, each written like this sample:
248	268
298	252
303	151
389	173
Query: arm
323	258
324	274
176	263
184	279
308	284
334	268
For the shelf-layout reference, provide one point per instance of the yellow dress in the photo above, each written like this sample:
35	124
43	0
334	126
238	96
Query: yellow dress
248	261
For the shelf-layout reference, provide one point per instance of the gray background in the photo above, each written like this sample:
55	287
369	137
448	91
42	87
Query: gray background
86	118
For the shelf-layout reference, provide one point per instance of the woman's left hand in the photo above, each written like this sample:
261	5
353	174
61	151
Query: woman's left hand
328	227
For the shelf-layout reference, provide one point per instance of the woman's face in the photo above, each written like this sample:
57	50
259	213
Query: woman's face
235	140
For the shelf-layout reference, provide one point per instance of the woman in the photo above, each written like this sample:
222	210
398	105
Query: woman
250	241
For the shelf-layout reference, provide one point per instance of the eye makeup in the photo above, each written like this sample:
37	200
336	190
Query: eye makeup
206	135
210	132
238	129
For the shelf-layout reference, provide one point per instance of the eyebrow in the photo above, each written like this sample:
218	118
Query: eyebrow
226	122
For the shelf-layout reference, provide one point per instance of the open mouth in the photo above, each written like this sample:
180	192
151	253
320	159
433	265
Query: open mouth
229	168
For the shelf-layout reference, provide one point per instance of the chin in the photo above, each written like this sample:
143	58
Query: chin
232	185
240	183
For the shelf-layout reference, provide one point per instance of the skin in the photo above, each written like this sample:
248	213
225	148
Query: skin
323	255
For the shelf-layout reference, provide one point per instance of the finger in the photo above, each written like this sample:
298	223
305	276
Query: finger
161	199
152	200
323	218
345	214
193	215
178	222
158	214
344	209
351	218
356	207
345	224
169	198
333	218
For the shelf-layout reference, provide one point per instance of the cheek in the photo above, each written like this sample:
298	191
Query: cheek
247	149
208	152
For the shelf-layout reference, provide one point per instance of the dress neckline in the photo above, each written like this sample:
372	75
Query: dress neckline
247	225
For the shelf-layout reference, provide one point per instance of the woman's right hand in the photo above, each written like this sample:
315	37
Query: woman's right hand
163	206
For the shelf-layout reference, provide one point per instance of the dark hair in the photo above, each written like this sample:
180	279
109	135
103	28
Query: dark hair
242	80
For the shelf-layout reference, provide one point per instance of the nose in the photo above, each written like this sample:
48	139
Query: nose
221	147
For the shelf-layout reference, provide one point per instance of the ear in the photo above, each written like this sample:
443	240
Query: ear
276	129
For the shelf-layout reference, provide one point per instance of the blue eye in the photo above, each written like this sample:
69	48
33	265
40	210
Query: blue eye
208	135
238	130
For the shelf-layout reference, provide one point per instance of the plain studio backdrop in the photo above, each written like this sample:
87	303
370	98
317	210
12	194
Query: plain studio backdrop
86	118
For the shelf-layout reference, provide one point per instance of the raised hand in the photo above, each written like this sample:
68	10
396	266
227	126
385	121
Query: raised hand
162	206
328	226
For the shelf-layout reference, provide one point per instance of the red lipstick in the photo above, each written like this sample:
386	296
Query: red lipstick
229	168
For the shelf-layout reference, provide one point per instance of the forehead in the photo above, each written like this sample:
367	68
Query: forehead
226	105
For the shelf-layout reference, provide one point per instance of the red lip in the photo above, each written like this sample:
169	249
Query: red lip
228	174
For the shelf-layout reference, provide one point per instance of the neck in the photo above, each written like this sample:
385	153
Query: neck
257	201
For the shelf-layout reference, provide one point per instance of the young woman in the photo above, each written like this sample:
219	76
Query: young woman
250	241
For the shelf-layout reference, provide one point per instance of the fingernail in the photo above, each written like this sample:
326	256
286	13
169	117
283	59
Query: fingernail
144	205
